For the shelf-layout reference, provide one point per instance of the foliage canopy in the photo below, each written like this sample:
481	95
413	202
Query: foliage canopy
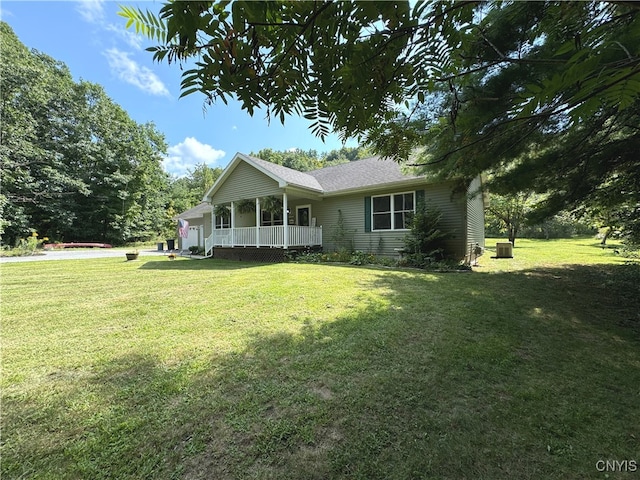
74	165
544	95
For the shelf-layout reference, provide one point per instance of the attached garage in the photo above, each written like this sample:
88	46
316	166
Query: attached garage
199	218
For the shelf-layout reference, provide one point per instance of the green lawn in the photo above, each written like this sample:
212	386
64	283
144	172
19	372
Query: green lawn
525	368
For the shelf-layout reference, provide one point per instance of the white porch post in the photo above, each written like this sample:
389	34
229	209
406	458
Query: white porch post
213	228
257	222
213	223
285	217
233	224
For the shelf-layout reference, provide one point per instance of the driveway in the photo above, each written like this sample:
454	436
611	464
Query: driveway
75	254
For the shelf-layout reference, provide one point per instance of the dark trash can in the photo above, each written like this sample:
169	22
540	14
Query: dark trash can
171	244
160	246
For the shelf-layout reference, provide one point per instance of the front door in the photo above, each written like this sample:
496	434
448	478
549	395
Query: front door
304	215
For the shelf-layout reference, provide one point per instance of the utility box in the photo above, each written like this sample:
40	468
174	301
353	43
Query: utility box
504	250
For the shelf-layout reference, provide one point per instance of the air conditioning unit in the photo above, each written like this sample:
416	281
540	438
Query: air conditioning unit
504	250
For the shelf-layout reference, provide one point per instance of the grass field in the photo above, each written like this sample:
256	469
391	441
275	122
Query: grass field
525	368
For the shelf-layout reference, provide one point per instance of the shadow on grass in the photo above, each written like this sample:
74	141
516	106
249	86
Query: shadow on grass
222	265
200	264
519	375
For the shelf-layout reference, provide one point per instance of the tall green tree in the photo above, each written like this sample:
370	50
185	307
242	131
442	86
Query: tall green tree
36	106
550	89
296	159
306	160
511	212
74	165
187	192
556	114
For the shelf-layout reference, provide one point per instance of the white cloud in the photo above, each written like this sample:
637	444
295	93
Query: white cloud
91	10
5	13
187	154
132	39
129	71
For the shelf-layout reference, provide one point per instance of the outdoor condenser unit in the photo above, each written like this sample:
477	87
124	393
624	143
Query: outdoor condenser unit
504	250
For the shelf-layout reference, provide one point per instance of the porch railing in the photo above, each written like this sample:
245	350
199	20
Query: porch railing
272	236
208	245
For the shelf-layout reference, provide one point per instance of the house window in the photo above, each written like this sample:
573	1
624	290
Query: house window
223	221
269	219
393	212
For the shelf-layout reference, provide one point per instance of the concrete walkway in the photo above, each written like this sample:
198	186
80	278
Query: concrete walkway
74	254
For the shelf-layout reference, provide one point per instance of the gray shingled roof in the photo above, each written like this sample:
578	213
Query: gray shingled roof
289	175
371	171
196	212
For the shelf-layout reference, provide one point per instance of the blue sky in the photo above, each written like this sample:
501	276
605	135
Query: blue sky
90	38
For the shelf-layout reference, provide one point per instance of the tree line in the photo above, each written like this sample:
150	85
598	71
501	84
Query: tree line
74	164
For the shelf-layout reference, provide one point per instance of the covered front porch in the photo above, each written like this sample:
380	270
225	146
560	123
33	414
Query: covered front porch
273	224
281	236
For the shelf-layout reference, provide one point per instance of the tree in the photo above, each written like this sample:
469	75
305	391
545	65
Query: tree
305	161
74	165
36	104
425	241
572	142
187	192
549	88
511	211
296	159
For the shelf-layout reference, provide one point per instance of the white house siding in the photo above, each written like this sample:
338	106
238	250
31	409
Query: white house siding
352	208
385	242
245	182
206	221
453	212
462	216
475	214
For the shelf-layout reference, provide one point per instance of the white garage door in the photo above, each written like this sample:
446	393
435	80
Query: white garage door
192	239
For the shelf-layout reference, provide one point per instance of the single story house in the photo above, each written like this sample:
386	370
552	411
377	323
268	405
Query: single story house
363	205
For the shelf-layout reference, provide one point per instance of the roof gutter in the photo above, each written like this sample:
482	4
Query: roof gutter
377	188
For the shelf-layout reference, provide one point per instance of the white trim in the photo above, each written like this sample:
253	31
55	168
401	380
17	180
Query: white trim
213	218
233	222
369	189
258	218
239	157
285	222
391	212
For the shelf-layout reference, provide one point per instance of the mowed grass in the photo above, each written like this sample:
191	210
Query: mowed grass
525	368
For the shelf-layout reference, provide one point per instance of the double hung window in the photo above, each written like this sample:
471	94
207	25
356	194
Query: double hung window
393	212
223	221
